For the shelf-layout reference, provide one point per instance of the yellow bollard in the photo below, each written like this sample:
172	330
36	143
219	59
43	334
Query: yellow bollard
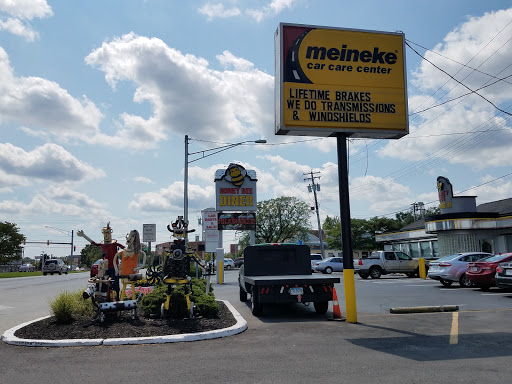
423	271
350	295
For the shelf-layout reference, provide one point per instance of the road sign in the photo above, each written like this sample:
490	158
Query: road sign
149	233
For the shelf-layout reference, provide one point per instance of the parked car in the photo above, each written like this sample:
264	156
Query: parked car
482	273
52	266
315	257
26	268
94	267
504	275
239	261
329	265
450	269
229	263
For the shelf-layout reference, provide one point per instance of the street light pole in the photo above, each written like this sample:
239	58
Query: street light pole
187	162
69	234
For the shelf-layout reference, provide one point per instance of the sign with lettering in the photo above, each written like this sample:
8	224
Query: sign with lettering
235	189
331	80
149	233
241	221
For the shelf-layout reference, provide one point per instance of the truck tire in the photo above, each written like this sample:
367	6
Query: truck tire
363	276
375	272
243	295
321	307
256	307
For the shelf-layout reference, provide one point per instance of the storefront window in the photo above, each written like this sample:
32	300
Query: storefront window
426	252
415	250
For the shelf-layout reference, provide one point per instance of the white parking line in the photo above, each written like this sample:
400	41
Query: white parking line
4	307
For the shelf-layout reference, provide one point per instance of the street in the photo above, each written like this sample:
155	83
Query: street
292	344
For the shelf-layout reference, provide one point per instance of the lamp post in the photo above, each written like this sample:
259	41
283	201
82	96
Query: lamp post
187	162
69	234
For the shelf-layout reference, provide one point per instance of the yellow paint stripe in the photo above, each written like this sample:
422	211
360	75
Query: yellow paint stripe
454	333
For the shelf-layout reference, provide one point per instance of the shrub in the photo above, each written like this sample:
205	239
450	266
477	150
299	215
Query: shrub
152	302
68	306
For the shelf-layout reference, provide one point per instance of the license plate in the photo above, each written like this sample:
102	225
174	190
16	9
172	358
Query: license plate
508	272
434	267
296	291
474	269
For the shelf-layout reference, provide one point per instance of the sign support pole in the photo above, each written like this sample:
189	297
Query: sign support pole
346	234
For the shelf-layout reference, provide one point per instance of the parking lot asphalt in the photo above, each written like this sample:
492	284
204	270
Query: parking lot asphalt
291	344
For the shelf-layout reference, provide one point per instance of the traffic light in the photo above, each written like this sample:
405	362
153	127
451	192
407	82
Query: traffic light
74	247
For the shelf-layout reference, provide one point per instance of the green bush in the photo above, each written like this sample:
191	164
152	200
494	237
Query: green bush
69	306
152	302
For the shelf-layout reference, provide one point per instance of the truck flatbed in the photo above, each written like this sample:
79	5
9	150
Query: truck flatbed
291	279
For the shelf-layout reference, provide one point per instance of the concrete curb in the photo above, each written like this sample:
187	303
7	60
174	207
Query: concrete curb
428	309
240	326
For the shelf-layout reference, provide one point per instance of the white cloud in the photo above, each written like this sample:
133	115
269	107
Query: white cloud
271	9
218	10
436	136
37	102
143	180
184	92
48	162
22	11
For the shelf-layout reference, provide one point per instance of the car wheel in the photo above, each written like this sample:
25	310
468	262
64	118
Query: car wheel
411	274
363	276
51	273
328	270
446	283
243	295
228	266
464	282
44	273
60	272
321	307
256	307
375	273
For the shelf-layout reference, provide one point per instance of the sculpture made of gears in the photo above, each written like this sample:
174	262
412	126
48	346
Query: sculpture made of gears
177	265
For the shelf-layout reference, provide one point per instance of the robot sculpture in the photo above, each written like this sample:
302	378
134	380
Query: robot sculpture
108	249
177	265
129	262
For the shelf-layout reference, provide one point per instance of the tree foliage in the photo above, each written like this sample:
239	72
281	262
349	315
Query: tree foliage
280	220
10	242
89	254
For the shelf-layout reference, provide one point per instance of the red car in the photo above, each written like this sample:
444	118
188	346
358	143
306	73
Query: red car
481	273
94	268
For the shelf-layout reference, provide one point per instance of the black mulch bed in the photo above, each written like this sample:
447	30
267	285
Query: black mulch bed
122	325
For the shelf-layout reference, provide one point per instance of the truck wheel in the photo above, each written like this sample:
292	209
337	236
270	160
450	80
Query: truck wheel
375	272
256	308
243	295
328	270
321	307
363	276
446	283
44	273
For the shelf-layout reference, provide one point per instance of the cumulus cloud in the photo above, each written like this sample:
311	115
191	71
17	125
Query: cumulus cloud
218	11
468	130
41	103
48	162
184	91
272	8
21	12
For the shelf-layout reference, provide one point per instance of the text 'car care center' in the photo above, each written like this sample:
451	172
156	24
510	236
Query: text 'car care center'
340	80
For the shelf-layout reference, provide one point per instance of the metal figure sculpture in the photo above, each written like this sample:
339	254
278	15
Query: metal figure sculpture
109	249
129	262
177	265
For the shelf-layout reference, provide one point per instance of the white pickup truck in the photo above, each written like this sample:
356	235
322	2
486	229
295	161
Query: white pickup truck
384	262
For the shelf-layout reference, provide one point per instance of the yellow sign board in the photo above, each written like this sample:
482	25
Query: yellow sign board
339	80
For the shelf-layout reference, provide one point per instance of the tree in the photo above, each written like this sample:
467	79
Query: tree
89	254
280	220
10	242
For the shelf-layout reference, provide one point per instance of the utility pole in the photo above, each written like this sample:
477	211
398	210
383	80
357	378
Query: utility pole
314	187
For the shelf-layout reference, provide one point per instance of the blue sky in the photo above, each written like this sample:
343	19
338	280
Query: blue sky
97	96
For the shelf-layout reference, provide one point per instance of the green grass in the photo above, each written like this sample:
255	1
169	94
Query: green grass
6	275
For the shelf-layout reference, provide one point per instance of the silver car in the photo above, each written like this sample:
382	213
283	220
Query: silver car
450	269
329	265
